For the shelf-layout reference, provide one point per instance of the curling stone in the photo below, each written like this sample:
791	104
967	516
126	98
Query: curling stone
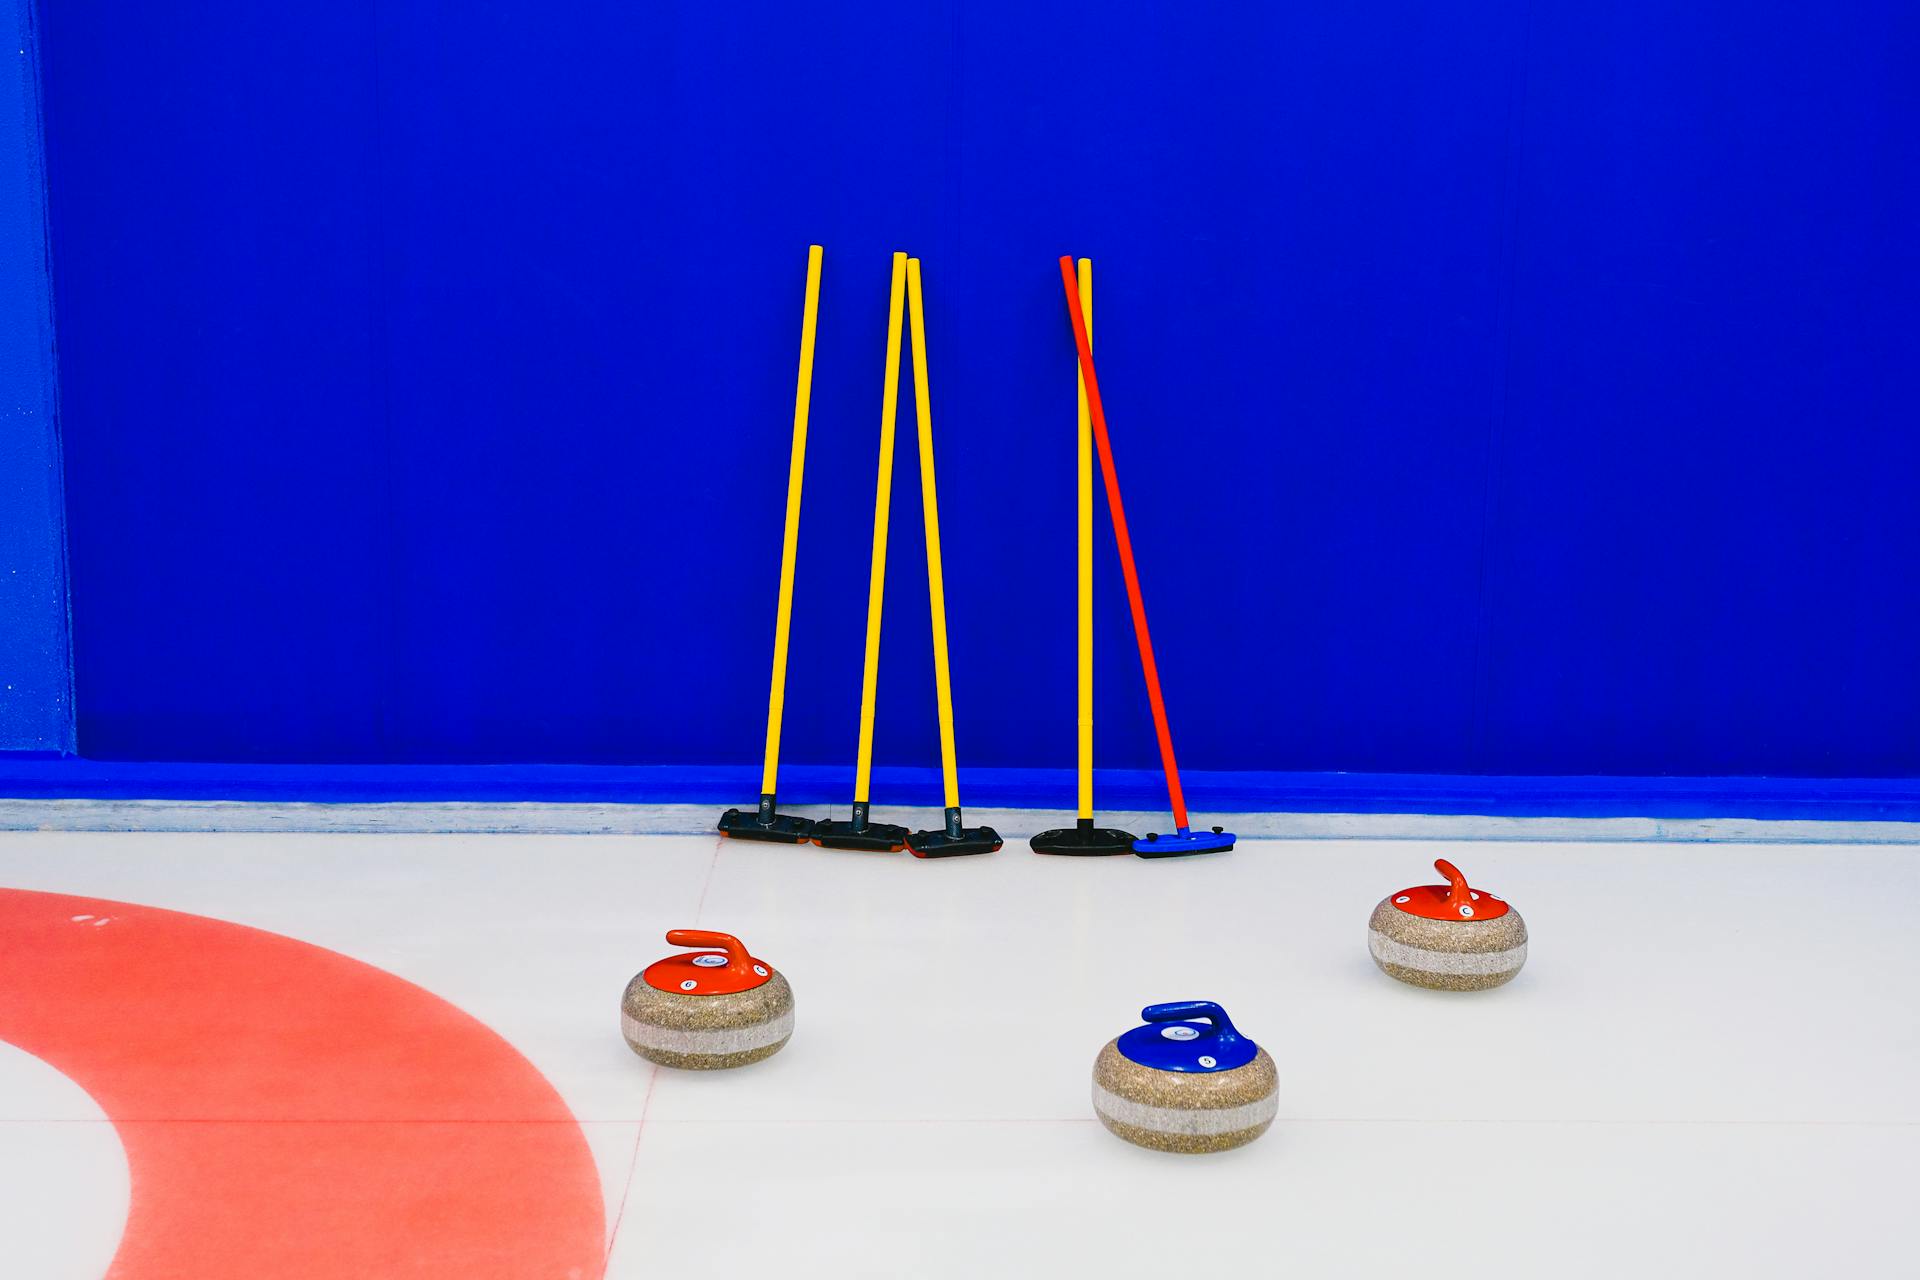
1448	936
1176	1086
708	1009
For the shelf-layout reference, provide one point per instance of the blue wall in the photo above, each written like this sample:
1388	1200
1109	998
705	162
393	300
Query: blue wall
1500	389
36	691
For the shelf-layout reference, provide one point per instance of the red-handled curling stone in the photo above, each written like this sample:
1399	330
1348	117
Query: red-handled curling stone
1449	937
707	1009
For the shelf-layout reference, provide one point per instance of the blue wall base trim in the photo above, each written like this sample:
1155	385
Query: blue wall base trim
1833	799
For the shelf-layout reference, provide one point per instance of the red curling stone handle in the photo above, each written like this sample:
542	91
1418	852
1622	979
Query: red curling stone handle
737	957
1461	895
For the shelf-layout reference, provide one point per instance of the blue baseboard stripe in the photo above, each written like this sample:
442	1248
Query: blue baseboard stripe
1832	799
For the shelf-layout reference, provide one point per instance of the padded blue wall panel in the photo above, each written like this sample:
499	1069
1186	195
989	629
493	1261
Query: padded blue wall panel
1706	450
228	494
428	372
36	685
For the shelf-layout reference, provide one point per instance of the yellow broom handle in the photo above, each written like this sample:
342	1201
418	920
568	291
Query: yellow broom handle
1086	554
930	512
882	502
790	543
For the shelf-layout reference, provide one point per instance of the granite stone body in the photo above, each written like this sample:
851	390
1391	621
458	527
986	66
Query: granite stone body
707	1032
1185	1112
1447	955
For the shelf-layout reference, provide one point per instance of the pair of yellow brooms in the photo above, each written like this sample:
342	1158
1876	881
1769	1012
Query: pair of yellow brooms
954	838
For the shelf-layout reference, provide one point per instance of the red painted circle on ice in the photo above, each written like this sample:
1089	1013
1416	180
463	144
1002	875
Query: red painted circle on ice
290	1112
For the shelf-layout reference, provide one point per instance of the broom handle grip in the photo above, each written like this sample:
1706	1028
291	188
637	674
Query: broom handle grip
790	536
1123	541
882	504
930	519
1083	495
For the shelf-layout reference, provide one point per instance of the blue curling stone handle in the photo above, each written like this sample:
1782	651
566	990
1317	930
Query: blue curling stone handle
1193	1036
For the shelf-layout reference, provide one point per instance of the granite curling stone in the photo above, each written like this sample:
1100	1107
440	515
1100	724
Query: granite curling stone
1447	936
1173	1085
709	1009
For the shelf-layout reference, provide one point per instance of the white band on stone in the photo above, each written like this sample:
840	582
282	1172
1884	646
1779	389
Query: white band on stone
719	1040
1476	963
1181	1120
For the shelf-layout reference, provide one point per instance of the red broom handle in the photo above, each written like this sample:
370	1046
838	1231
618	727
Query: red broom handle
1125	541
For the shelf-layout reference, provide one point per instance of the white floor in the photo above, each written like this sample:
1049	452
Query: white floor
1707	1067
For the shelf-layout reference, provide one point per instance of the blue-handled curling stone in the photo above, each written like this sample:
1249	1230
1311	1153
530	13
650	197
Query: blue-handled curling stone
1187	1081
